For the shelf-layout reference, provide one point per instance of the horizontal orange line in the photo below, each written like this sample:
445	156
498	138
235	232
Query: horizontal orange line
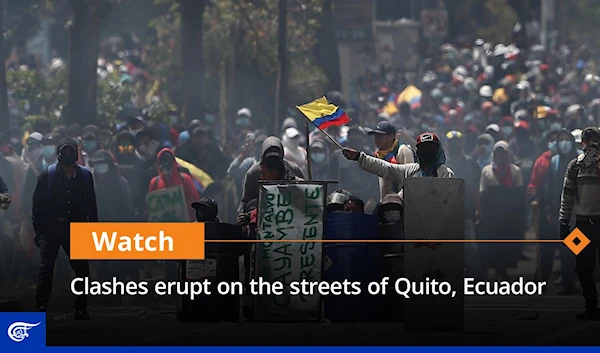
383	241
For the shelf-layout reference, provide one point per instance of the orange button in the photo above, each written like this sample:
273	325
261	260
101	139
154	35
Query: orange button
137	241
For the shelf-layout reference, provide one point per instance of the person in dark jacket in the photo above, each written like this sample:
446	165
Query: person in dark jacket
271	147
64	196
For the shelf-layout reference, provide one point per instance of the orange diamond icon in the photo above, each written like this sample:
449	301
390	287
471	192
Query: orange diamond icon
583	241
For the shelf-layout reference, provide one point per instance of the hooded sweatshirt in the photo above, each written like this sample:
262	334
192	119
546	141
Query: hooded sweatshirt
161	182
250	187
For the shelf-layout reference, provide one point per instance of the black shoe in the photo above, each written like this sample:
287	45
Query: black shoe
592	314
81	315
41	308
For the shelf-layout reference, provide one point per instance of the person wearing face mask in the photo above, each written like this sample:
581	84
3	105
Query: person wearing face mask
292	150
243	120
135	124
566	152
319	156
431	162
63	194
581	197
523	149
506	128
501	200
113	198
390	150
169	176
468	170
89	145
196	152
34	169
248	156
33	148
483	152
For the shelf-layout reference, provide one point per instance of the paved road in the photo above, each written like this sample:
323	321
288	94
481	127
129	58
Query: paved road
546	320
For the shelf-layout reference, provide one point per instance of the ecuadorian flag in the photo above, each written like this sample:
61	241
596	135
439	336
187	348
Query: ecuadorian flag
324	114
199	177
411	95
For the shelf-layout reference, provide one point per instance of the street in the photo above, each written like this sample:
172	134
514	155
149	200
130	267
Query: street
546	320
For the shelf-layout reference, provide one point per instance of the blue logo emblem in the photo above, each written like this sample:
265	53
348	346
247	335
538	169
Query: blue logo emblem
23	329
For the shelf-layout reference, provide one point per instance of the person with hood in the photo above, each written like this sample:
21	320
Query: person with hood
170	176
319	158
500	178
551	191
390	150
291	148
468	170
431	162
271	147
63	194
581	197
483	152
33	148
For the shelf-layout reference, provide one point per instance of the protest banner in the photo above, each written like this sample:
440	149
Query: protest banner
434	209
167	205
289	212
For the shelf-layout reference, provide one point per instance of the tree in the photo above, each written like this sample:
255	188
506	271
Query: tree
244	35
328	55
192	56
84	48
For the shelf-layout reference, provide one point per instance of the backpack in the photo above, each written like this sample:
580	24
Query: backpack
87	175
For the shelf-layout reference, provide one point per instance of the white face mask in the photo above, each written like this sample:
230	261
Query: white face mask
507	130
101	168
392	216
318	157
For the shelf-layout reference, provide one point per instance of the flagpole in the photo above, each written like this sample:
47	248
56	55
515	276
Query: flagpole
324	132
308	164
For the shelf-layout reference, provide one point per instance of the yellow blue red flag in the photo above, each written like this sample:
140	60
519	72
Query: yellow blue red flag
411	95
324	114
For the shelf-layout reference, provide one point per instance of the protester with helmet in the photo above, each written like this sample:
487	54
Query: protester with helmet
581	196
